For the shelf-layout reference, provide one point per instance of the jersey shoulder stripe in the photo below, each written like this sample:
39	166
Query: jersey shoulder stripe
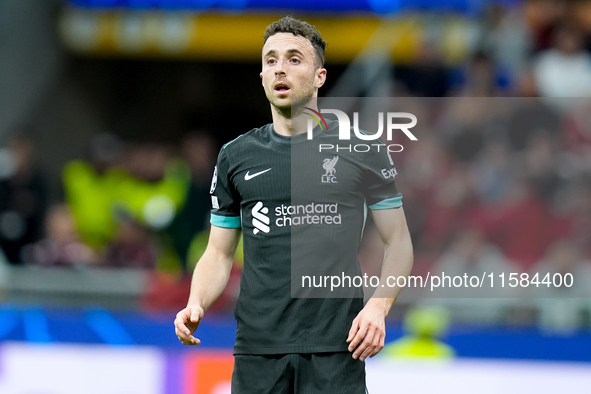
225	221
389	203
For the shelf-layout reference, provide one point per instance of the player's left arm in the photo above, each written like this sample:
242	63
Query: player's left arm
368	330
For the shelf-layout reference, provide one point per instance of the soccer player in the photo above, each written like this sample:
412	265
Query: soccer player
295	204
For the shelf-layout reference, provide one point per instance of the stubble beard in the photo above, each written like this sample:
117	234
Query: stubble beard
293	106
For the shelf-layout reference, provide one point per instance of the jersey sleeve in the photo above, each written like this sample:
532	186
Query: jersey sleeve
225	203
379	186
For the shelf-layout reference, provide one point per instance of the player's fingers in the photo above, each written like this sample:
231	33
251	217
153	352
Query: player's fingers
358	337
367	352
353	330
181	322
184	328
195	314
190	340
180	328
182	332
379	342
185	337
365	344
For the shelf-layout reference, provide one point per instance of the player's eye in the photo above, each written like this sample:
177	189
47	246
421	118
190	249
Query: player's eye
271	61
295	60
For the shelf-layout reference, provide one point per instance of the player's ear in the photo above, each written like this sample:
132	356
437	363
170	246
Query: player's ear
262	83
320	77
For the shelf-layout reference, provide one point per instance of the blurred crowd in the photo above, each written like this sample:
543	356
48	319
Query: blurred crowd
133	205
511	171
538	48
501	185
129	205
501	176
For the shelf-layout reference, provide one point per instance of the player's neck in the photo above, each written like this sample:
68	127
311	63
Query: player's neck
289	123
282	124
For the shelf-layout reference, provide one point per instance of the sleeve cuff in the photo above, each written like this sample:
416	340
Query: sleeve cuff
225	221
394	202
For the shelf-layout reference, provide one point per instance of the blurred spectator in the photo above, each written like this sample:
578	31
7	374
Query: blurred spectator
525	85
574	219
492	173
580	13
480	78
506	37
539	164
23	197
564	257
146	161
564	277
131	246
198	150
144	181
465	126
582	225
428	75
472	255
62	245
449	211
520	225
577	132
565	69
166	291
88	187
155	185
541	18
530	117
422	171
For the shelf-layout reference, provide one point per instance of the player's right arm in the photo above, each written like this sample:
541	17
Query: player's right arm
210	277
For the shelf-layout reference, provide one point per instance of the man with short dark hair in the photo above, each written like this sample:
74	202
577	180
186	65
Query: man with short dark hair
294	204
296	27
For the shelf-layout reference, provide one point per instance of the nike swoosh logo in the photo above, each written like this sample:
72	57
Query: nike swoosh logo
249	176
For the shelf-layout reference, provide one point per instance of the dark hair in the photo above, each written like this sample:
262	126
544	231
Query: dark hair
289	24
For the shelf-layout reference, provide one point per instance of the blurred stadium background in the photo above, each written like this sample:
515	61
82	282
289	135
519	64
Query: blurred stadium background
111	116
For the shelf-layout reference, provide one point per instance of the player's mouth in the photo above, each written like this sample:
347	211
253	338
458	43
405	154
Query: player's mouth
282	88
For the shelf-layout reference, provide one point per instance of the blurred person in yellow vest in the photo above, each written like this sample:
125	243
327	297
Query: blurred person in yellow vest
110	183
89	186
424	326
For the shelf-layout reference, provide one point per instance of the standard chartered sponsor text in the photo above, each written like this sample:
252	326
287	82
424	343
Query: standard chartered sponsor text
313	213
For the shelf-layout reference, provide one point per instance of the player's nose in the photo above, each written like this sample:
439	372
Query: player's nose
280	67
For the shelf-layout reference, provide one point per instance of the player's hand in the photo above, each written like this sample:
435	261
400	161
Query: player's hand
186	324
368	331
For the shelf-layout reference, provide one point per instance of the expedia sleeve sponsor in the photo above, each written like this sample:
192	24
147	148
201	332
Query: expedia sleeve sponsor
379	184
225	204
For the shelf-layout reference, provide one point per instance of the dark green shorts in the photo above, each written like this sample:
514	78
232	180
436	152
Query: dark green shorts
320	373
